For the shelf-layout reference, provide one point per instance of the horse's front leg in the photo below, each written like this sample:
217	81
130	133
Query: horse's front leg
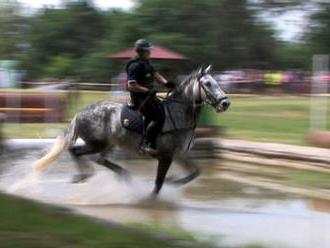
189	166
163	166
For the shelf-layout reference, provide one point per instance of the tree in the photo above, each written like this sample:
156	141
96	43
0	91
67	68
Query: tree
70	32
11	29
223	32
319	31
59	67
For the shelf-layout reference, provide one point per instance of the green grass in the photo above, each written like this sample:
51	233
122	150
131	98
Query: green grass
272	119
28	224
310	179
32	225
280	119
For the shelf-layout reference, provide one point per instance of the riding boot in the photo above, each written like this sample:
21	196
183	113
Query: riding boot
148	145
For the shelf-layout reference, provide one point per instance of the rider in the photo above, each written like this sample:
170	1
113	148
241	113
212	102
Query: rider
141	75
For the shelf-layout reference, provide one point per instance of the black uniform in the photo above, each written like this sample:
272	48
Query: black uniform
142	72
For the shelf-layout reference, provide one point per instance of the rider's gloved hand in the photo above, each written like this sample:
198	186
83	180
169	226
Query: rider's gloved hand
170	85
152	92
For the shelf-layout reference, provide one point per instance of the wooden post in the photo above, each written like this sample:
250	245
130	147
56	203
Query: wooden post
318	97
2	120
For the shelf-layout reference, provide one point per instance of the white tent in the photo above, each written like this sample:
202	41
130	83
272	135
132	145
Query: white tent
8	74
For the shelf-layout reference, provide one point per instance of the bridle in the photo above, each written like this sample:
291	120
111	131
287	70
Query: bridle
209	99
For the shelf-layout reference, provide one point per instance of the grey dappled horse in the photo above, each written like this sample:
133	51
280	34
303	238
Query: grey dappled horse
100	127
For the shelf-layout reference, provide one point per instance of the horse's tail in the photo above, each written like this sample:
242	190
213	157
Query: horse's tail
62	142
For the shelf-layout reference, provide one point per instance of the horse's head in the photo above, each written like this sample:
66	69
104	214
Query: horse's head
209	91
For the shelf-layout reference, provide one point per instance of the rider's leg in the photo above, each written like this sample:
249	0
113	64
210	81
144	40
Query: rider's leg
156	115
146	122
152	131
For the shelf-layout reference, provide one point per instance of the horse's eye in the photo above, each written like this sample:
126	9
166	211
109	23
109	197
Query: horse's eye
207	83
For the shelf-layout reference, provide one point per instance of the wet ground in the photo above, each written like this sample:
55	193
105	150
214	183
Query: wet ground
210	208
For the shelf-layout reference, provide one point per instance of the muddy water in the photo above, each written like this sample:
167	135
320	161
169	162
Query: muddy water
210	208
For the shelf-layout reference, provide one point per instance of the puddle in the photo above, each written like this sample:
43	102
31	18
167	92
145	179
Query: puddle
223	211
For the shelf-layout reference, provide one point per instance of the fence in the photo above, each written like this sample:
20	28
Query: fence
33	107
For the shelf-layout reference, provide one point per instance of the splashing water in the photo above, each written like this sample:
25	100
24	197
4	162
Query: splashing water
54	185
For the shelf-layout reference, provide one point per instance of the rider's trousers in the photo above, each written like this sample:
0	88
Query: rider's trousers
153	113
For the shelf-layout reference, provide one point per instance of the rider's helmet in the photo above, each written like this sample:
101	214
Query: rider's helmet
142	45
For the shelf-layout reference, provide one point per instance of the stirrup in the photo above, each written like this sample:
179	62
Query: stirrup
147	149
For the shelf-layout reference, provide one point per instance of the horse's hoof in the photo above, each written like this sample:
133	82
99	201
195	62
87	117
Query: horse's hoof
80	178
153	198
126	176
154	195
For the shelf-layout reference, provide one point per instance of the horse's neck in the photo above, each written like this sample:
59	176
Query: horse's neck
188	99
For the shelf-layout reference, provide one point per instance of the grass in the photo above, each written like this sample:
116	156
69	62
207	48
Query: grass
279	119
273	119
28	224
310	179
32	225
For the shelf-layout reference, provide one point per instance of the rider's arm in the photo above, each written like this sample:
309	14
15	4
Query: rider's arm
160	78
135	87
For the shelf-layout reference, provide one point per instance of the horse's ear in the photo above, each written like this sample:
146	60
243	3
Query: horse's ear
208	69
200	71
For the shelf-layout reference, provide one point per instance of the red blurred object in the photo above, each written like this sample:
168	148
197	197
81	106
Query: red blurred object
157	52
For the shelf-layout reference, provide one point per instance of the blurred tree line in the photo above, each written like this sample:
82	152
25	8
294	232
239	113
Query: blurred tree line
72	42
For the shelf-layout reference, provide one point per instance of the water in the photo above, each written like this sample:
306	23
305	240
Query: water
210	208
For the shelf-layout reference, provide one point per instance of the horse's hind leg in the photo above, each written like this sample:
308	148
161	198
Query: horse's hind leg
85	169
112	166
187	165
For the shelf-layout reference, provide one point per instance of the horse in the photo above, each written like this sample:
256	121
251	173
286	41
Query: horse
101	128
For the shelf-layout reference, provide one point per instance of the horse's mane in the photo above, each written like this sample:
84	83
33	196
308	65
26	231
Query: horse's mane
188	79
193	75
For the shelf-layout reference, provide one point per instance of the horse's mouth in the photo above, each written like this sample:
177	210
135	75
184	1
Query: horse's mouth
219	108
222	106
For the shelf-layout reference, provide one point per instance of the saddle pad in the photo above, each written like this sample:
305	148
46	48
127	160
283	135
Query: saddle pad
131	119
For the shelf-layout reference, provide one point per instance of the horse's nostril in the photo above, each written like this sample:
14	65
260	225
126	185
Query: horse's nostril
225	104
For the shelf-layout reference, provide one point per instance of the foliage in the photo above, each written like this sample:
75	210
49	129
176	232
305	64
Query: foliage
11	29
228	34
69	32
318	34
290	56
59	67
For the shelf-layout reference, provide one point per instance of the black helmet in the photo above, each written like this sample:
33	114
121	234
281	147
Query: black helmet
142	45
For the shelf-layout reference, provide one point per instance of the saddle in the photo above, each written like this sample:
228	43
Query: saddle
175	118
